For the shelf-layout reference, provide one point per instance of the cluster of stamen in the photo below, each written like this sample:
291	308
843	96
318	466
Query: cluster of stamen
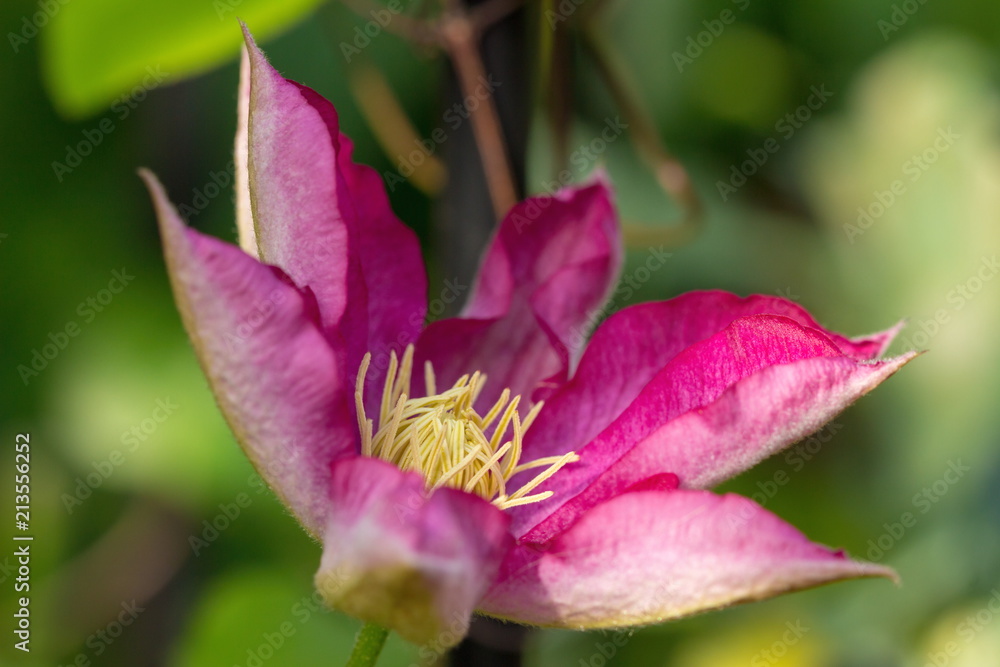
442	436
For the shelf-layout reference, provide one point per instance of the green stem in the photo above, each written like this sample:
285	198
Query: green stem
367	645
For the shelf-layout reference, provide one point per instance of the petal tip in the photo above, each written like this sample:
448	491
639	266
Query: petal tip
250	45
866	569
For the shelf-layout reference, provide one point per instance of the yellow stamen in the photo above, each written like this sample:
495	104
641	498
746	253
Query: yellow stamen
442	436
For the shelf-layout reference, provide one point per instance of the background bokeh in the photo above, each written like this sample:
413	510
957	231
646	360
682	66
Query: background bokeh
848	156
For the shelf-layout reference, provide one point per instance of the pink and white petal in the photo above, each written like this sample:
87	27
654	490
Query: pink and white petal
295	187
327	222
755	418
271	369
634	344
244	213
651	556
551	265
412	563
693	378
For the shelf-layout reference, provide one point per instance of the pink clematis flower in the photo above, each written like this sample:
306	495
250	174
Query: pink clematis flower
432	497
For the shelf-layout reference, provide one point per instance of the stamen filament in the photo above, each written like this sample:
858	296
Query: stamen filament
443	437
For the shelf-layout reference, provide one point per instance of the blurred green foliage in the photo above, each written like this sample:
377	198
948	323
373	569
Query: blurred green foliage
100	53
818	221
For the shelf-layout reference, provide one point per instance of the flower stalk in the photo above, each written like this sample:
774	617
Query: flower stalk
368	645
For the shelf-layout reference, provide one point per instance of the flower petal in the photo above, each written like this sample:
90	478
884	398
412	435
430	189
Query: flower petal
717	408
414	564
393	268
326	221
551	264
634	344
651	556
244	215
272	371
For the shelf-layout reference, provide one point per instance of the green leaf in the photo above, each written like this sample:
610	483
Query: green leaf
271	617
95	53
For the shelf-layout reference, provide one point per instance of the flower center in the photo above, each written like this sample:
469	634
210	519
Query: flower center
442	436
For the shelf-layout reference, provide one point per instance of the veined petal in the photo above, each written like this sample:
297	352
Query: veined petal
748	389
415	564
395	281
550	266
293	183
271	369
651	556
326	221
755	418
634	344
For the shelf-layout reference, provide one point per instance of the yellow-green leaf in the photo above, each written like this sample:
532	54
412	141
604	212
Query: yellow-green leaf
98	51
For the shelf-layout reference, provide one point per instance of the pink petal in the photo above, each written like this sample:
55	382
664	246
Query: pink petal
651	556
634	344
745	398
755	418
550	266
414	564
274	375
393	269
326	221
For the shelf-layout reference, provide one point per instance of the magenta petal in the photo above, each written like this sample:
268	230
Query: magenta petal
395	282
755	418
326	221
271	369
413	564
634	344
550	266
651	556
786	402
